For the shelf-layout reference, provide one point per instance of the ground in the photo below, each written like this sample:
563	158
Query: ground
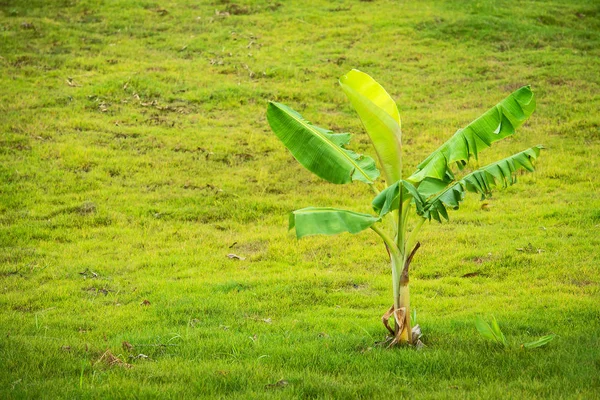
135	157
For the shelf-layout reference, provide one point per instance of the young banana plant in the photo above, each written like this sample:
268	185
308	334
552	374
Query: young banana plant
405	204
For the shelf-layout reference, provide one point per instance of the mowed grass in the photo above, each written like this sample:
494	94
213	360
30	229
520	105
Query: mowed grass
135	156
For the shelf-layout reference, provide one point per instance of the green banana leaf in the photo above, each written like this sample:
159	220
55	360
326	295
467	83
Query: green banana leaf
320	150
490	332
389	199
329	221
497	123
480	181
544	340
380	117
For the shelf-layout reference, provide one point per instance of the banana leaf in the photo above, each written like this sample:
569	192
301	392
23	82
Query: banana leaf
329	221
389	199
380	118
501	173
497	123
491	332
544	340
319	150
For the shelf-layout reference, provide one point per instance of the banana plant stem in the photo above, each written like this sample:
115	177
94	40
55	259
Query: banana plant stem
412	238
396	260
392	248
400	226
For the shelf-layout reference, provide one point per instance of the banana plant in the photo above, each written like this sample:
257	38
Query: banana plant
403	205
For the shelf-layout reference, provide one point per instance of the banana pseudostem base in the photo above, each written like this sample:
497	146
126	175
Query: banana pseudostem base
402	333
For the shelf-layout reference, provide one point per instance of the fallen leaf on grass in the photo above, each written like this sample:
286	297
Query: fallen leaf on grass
338	9
279	384
250	72
72	83
145	303
111	360
212	187
530	249
87	273
235	9
235	257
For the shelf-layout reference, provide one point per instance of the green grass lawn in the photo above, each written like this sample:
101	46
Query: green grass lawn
135	156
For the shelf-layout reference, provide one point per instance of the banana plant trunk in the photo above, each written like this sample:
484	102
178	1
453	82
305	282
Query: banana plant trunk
404	303
402	333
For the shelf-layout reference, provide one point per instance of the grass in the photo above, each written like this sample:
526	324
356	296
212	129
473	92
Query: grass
135	156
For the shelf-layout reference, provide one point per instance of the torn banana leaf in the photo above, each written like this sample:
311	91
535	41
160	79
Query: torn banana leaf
495	124
501	173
